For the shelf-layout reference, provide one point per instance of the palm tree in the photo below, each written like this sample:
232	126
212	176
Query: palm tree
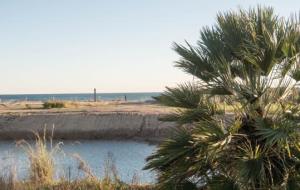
250	58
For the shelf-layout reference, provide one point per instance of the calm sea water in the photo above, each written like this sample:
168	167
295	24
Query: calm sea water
141	96
128	156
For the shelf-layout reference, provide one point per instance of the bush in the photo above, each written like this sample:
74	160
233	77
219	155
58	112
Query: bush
49	105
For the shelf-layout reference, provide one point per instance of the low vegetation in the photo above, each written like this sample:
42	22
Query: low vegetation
83	184
53	104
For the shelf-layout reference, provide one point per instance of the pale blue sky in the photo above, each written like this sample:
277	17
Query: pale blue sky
70	46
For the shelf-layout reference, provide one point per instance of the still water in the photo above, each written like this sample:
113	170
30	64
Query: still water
127	156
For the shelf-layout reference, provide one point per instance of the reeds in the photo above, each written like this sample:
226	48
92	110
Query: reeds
40	155
84	167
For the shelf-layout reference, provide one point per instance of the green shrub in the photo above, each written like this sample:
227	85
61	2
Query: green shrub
49	105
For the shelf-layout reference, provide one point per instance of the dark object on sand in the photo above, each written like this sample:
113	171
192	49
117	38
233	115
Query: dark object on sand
95	95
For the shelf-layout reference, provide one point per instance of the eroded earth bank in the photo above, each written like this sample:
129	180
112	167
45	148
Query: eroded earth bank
106	120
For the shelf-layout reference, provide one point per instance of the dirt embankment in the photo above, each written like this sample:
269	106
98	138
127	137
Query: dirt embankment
86	126
82	120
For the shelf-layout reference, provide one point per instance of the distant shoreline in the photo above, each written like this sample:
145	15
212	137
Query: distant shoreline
129	96
13	94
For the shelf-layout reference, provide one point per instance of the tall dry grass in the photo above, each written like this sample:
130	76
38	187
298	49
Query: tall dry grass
41	158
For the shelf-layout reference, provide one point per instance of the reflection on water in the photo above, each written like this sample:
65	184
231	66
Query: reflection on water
128	156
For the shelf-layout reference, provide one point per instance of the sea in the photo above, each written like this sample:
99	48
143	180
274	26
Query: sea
129	96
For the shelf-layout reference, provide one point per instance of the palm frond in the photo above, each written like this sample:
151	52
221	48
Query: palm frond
185	95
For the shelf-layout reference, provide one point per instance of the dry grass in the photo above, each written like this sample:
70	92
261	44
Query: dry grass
40	157
83	184
84	167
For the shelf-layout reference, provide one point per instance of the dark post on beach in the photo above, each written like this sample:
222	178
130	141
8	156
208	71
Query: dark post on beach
125	97
95	95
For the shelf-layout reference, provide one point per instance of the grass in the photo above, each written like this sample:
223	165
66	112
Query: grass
41	159
41	172
83	184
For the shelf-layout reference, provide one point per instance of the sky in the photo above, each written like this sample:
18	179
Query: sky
73	46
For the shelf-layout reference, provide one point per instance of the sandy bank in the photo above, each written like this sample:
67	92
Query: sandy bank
117	121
